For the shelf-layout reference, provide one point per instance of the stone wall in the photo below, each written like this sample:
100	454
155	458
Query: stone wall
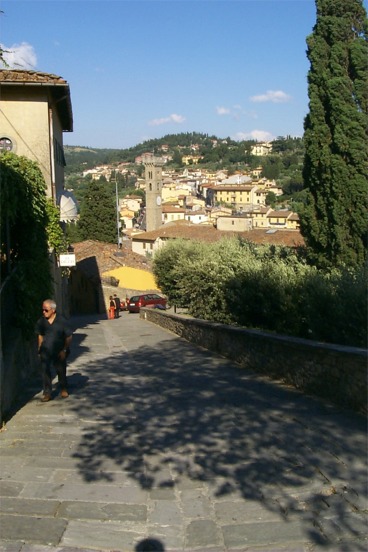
335	372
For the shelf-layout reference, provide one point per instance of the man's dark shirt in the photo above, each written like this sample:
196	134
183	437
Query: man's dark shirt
53	334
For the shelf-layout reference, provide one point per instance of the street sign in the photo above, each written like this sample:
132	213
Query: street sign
67	260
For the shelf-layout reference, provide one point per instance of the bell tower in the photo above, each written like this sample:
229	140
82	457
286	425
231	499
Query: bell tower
153	179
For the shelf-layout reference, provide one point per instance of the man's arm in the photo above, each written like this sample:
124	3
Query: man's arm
39	342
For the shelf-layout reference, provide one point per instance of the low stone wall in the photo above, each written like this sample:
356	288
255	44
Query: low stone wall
335	372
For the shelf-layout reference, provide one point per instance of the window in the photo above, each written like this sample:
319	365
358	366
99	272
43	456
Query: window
5	144
59	154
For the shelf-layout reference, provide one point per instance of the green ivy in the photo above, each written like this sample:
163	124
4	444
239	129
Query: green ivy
56	237
24	238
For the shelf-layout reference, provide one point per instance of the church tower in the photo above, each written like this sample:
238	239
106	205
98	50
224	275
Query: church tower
153	178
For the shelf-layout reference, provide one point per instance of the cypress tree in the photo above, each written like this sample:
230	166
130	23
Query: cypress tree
98	214
334	222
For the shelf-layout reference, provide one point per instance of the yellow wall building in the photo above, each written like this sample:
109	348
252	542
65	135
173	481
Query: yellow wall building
35	110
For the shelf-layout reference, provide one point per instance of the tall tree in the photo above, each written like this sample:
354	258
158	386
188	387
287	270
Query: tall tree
98	214
334	222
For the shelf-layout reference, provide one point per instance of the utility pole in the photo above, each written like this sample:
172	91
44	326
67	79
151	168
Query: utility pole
117	210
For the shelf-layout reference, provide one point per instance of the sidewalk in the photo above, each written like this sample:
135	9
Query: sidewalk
164	441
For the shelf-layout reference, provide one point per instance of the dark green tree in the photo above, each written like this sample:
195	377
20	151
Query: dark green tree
271	199
98	214
334	222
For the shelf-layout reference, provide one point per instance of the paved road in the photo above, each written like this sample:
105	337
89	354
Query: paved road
164	446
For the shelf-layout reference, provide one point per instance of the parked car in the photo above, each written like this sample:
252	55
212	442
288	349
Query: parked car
146	300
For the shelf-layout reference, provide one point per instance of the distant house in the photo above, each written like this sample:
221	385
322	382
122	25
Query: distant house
191	159
261	148
197	217
260	217
234	223
236	195
283	219
132	203
172	213
147	156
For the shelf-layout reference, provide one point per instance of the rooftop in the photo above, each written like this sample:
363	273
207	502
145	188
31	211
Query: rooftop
187	230
58	86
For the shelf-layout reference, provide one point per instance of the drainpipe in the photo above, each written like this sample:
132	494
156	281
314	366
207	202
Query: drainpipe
52	156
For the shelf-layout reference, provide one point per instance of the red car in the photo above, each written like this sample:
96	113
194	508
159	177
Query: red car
146	300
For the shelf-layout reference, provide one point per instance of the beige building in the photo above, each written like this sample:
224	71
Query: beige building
35	110
171	191
172	213
234	224
283	219
261	148
239	196
191	159
260	217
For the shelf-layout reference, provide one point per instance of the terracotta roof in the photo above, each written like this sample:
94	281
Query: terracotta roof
25	76
58	86
187	230
171	208
279	214
94	258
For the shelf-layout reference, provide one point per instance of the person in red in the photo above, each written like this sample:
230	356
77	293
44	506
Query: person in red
54	339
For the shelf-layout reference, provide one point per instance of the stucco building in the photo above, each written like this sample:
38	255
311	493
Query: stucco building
35	110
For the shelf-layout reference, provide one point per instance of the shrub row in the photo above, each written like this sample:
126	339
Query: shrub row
267	287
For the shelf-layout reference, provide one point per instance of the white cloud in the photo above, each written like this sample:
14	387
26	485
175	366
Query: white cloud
222	110
20	56
259	135
274	96
173	118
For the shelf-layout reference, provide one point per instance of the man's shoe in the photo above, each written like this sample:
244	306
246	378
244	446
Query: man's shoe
46	397
64	393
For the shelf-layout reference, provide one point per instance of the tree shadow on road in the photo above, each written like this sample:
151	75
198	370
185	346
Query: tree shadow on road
172	415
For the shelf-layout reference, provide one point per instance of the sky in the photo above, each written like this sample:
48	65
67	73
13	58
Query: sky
141	69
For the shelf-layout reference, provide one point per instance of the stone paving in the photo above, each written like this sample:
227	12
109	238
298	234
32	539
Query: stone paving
164	446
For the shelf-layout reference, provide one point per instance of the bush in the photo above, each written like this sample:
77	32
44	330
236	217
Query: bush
266	287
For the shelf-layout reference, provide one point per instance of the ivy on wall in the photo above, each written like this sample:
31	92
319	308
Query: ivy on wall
56	237
25	219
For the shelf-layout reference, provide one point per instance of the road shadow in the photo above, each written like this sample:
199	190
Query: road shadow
171	414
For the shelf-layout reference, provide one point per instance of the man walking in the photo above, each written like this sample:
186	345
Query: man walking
54	339
117	305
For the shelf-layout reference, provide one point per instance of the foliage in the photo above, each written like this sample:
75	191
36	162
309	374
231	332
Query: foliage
24	239
56	237
98	214
334	220
72	232
273	288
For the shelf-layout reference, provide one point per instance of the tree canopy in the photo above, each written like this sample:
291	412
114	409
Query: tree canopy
334	222
98	214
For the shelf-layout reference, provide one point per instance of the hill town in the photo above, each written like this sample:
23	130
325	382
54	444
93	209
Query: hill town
198	202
